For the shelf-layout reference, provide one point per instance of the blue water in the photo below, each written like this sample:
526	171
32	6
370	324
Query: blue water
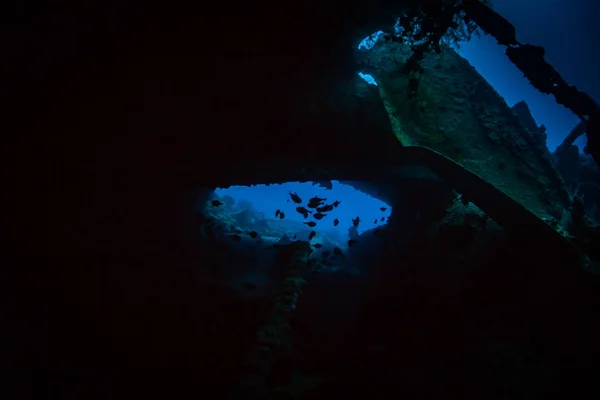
353	203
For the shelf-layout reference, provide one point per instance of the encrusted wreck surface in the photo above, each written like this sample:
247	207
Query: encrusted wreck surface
457	113
147	109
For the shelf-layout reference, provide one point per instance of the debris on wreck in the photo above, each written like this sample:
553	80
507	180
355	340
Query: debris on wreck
454	106
580	173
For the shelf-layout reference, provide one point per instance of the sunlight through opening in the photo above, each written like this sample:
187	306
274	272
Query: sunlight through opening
286	211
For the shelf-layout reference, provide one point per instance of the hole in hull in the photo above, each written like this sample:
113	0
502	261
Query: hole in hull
245	227
272	209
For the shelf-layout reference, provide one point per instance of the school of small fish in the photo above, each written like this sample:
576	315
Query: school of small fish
314	204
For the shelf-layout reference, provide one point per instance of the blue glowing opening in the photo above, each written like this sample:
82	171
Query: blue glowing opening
271	210
368	78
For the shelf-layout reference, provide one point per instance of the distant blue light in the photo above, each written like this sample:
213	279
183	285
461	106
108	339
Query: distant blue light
353	203
368	42
368	78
